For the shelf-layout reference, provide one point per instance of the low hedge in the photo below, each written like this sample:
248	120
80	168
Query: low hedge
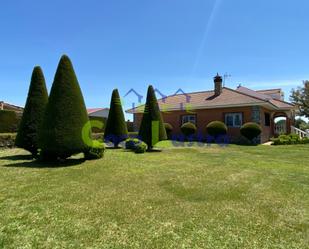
7	140
188	129
9	121
289	139
216	128
250	130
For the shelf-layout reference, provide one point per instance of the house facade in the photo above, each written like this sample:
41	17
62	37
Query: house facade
233	107
9	107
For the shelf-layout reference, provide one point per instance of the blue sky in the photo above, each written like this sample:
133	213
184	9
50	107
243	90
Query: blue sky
171	44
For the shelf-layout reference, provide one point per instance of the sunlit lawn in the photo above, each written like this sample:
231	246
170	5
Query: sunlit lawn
198	197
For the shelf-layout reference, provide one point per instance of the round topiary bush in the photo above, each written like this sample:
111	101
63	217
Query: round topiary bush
216	128
140	148
95	151
188	129
168	129
250	130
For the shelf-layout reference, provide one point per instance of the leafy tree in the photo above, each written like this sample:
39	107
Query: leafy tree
152	128
300	97
116	127
27	136
65	116
301	124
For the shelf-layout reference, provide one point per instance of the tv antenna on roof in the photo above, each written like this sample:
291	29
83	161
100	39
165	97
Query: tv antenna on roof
225	76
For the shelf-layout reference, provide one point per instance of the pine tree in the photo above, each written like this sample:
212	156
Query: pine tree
65	116
152	128
27	136
116	127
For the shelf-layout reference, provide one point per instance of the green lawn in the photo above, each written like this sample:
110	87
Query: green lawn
209	197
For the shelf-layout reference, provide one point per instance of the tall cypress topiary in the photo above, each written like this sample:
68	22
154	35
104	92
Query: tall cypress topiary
65	116
152	128
116	127
27	136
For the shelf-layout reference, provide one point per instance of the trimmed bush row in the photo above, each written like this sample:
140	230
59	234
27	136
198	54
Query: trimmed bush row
289	139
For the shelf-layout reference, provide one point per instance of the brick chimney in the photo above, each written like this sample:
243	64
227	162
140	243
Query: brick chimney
218	84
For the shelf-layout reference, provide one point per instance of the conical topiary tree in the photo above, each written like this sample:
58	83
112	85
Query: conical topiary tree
116	127
65	116
27	136
152	128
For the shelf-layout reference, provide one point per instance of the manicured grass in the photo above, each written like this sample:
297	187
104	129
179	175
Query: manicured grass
198	197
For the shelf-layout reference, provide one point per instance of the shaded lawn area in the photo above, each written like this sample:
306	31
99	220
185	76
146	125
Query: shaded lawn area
198	197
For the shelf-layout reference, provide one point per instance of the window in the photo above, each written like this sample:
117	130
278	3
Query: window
188	118
267	119
233	119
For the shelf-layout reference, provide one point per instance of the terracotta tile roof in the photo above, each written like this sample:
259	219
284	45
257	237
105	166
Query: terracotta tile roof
207	100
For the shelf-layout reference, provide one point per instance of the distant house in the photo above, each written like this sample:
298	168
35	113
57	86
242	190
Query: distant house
233	107
98	112
10	107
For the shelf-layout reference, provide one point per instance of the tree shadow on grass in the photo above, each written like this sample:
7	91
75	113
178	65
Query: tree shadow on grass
39	164
17	157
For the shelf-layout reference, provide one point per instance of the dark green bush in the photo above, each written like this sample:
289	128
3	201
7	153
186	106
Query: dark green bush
116	127
27	136
95	151
140	148
131	143
168	129
250	130
188	129
65	116
152	128
289	139
8	121
216	128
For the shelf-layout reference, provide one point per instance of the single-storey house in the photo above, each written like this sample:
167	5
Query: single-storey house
9	107
98	112
233	107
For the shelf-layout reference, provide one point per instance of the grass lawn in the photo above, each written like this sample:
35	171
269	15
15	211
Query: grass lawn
198	197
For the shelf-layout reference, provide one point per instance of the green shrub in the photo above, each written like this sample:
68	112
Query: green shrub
7	140
131	143
32	118
188	129
65	116
116	127
216	128
8	121
168	129
95	151
152	121
289	139
250	130
140	148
